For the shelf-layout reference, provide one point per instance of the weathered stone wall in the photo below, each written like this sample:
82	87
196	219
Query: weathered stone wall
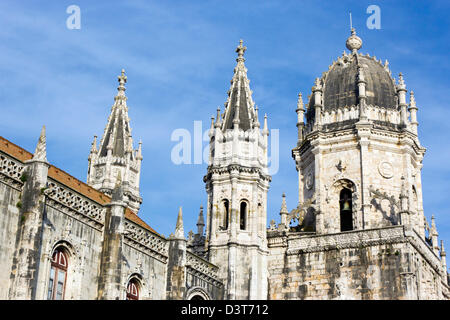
9	215
367	264
75	223
151	271
83	244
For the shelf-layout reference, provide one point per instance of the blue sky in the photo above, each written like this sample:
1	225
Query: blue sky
179	58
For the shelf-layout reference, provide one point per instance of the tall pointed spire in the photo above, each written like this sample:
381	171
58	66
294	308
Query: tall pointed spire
117	136
116	153
41	148
239	108
179	229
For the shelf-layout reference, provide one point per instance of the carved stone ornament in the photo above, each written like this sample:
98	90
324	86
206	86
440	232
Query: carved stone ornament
309	181
98	173
386	169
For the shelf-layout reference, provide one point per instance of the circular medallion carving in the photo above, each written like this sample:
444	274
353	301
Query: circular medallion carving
309	182
386	169
98	173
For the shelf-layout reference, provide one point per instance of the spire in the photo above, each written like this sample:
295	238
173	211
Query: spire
116	153
239	107
284	211
117	136
256	120
443	254
139	152
41	148
94	145
200	222
412	100
179	229
283	204
265	128
401	82
218	120
434	236
300	105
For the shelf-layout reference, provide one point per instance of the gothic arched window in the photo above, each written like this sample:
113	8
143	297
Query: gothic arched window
58	275
243	215
226	213
346	214
133	289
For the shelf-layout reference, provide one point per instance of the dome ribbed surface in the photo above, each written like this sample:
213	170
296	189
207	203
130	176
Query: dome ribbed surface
341	88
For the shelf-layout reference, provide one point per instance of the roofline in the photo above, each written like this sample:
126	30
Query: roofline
71	182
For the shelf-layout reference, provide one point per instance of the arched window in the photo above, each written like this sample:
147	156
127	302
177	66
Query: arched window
345	204
226	214
243	216
58	275
133	289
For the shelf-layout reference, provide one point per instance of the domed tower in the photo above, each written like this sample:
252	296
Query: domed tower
358	155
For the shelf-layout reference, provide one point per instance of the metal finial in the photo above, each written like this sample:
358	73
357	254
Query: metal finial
351	28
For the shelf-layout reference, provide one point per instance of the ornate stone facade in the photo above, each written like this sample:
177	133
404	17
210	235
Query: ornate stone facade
358	231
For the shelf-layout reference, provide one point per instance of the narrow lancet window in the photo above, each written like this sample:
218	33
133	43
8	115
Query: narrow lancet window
243	215
226	214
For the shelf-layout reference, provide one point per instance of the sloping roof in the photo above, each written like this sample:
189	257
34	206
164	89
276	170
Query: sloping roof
73	183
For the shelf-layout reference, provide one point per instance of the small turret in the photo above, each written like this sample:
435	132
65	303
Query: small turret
413	111
200	222
362	94
434	236
284	211
401	94
300	121
443	259
317	91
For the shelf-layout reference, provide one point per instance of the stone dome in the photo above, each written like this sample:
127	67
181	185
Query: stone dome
340	82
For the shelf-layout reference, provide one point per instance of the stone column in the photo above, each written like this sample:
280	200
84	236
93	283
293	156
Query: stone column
27	256
364	131
109	284
317	90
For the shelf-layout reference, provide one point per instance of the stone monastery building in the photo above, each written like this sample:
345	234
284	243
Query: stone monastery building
358	232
